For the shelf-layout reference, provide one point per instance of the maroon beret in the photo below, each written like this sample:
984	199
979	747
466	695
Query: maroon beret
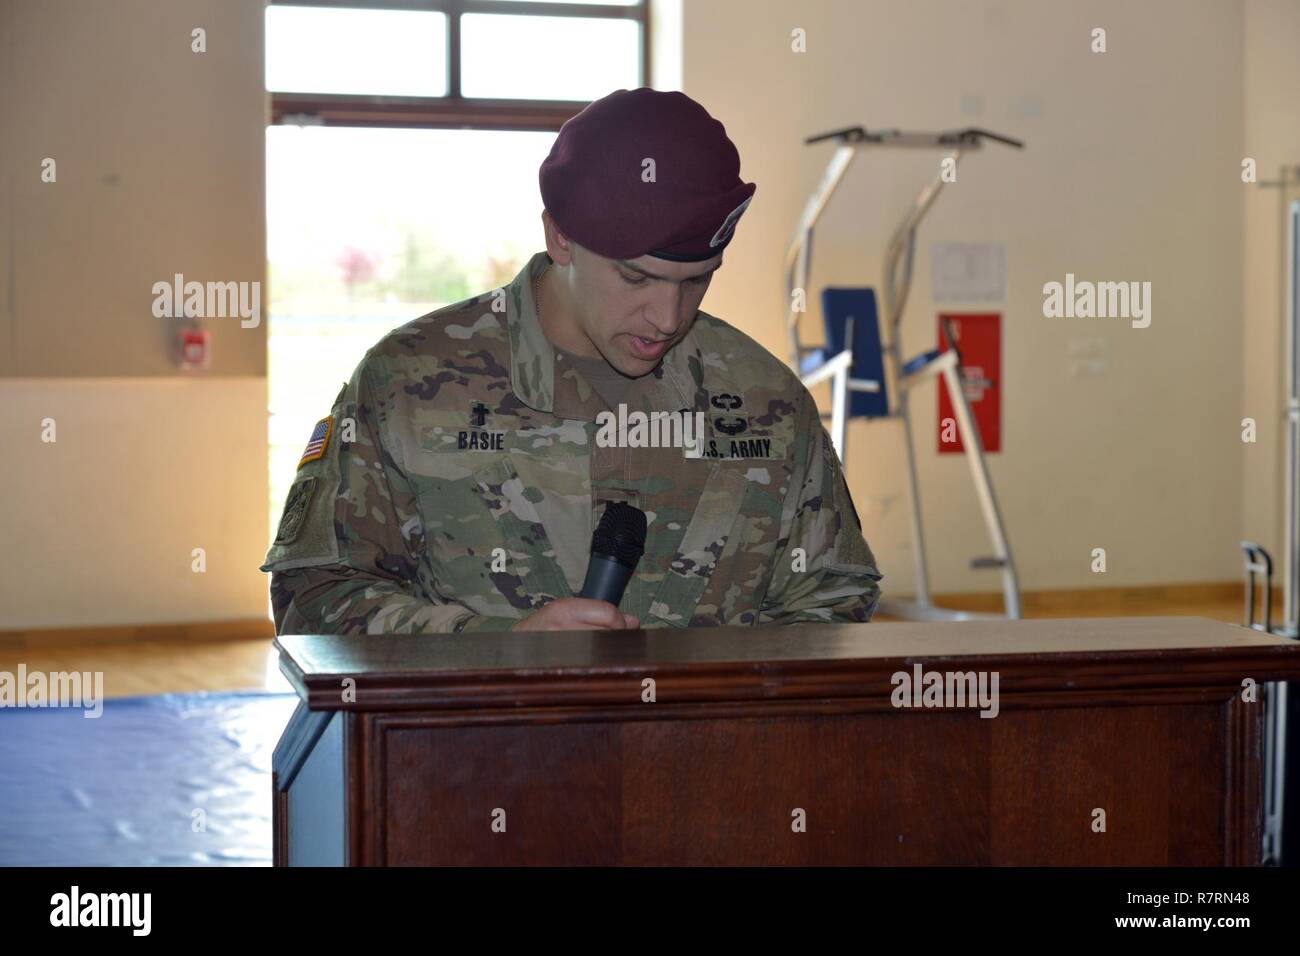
593	186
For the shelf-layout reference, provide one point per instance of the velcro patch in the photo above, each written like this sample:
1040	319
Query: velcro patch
741	447
319	441
481	441
295	510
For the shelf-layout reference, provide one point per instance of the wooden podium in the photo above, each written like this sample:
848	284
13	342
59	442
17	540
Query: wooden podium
1116	741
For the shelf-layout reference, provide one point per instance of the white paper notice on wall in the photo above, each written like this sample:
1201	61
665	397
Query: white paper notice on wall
968	271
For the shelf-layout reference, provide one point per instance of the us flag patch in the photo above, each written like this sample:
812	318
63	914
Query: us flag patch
320	439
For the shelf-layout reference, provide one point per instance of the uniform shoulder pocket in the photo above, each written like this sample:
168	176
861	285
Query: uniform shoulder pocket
306	536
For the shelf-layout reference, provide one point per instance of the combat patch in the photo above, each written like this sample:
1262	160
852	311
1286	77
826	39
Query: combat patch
295	510
319	441
730	426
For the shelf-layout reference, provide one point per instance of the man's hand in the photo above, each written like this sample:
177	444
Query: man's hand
577	614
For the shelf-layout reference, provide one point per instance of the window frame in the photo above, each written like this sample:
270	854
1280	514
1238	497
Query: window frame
453	111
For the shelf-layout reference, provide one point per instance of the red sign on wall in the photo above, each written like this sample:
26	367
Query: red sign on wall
979	343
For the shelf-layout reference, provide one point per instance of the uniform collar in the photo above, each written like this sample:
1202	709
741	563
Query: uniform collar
561	390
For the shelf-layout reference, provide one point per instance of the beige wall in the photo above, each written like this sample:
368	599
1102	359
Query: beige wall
143	472
160	159
1131	172
160	166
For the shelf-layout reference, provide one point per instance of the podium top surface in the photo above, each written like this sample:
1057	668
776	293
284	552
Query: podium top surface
513	669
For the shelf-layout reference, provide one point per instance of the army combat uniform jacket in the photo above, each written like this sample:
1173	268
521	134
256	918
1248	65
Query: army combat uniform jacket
458	478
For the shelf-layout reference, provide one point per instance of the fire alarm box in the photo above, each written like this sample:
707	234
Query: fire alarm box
195	348
978	338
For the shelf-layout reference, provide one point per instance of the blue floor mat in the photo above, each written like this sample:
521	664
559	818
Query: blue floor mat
171	780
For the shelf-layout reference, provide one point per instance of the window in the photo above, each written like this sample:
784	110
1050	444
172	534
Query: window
402	168
475	64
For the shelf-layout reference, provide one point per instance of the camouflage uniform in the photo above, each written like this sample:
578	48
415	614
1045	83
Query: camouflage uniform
461	479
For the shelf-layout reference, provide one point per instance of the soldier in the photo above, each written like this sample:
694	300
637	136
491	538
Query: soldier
455	484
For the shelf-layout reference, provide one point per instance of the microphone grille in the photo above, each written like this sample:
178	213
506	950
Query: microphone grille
620	533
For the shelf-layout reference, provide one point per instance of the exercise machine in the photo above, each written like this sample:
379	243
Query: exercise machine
880	370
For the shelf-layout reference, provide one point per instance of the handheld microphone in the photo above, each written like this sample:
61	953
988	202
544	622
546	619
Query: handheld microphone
616	547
